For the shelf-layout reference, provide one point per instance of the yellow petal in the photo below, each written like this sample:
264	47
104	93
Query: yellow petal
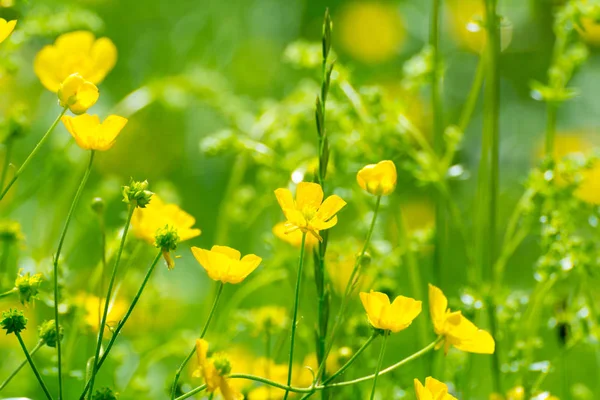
285	199
421	392
229	392
6	28
228	251
109	130
309	195
44	66
330	207
77	41
240	270
215	264
438	304
374	304
83	128
321	225
201	351
405	310
104	57
481	343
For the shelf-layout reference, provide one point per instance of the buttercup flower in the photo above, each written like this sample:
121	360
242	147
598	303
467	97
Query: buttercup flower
6	28
309	213
394	317
91	134
75	52
156	215
214	371
294	238
433	390
378	179
77	94
13	321
28	286
456	329
225	264
92	306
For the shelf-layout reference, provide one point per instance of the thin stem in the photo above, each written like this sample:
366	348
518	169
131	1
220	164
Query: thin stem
61	241
379	362
192	392
220	286
108	296
9	292
295	316
124	320
9	146
32	365
16	371
469	107
32	154
102	224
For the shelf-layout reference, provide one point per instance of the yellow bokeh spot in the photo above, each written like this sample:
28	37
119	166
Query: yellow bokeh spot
590	32
371	32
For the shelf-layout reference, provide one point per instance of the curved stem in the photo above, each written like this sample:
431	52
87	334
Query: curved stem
32	154
61	241
32	365
108	296
9	146
124	320
379	362
295	317
16	371
9	292
191	393
202	334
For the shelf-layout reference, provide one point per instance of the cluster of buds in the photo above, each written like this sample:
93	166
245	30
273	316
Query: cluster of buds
28	286
137	194
167	240
47	333
13	321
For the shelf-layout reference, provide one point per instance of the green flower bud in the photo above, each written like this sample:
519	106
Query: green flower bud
222	364
13	321
136	194
98	205
105	394
28	286
10	231
167	239
47	332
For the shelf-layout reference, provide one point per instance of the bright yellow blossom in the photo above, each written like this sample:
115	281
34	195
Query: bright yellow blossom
378	179
145	222
394	317
225	264
77	93
309	213
433	390
214	371
294	238
6	28
75	52
456	329
91	134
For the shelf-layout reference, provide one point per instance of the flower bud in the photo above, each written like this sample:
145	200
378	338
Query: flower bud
222	364
13	321
137	194
77	94
378	179
10	231
98	205
28	286
105	394
47	333
167	239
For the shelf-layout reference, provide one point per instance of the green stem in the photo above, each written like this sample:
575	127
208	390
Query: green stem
108	296
379	362
9	146
202	334
469	107
8	293
61	241
191	392
552	109
124	320
32	154
16	371
32	365
295	315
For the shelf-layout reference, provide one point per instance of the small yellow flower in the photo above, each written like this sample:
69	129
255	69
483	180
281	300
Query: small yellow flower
225	264
91	134
378	179
77	93
214	371
394	317
6	28
157	214
75	52
268	319
309	213
294	238
433	390
456	329
93	306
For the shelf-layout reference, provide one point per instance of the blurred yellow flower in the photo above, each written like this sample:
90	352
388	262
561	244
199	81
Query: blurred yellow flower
456	329
294	238
378	179
145	222
225	264
77	94
310	365
93	306
309	213
276	372
91	134
75	52
394	317
418	214
371	32
268	319
6	28
433	390
214	371
590	32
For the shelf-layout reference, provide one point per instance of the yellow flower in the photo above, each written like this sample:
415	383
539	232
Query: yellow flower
75	52
456	329
378	179
77	93
6	28
225	264
590	32
433	390
268	319
294	238
145	222
93	306
309	213
396	316
91	134
214	371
